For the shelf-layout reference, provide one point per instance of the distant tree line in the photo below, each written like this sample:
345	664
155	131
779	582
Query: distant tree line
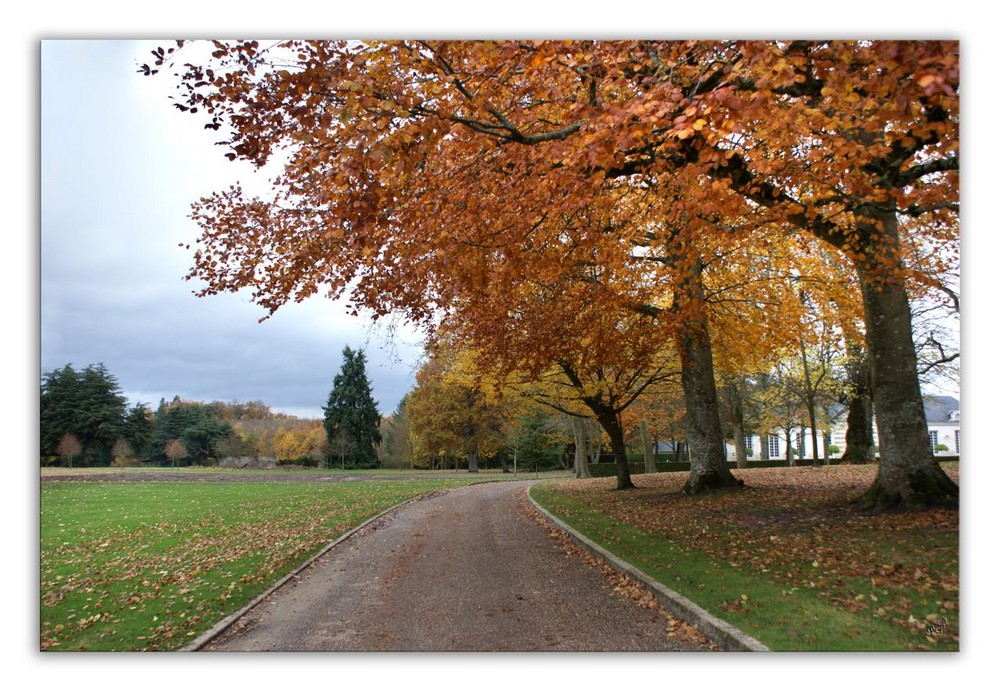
85	420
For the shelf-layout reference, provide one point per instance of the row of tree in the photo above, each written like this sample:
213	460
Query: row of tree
597	218
85	419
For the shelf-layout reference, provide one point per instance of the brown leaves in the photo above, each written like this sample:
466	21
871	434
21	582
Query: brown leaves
619	583
797	527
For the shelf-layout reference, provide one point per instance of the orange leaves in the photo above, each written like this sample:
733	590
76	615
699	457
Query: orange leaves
449	173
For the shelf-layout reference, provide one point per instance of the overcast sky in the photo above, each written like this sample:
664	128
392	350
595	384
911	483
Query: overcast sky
119	170
119	167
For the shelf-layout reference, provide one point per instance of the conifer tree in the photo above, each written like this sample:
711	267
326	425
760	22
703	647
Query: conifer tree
351	416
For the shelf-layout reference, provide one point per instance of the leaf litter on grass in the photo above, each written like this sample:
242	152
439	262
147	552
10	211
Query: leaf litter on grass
151	584
797	526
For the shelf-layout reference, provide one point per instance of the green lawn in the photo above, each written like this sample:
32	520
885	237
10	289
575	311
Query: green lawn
149	566
786	559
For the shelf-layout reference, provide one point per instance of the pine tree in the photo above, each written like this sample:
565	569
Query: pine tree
351	416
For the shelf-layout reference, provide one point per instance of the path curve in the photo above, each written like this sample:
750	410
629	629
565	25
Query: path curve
466	570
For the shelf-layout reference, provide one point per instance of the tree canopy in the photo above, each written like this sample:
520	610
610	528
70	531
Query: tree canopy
87	404
419	176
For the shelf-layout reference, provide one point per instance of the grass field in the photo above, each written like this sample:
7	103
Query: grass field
786	559
144	566
149	566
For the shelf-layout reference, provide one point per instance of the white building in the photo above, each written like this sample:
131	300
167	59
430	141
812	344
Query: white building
943	425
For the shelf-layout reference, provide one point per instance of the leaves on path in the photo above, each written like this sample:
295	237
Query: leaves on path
619	583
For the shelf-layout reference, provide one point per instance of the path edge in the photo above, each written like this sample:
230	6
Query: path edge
722	633
221	626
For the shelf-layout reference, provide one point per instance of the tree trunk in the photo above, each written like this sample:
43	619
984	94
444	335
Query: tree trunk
859	440
814	433
613	427
592	440
765	445
502	457
648	453
741	449
810	402
474	461
580	461
908	475
704	431
789	457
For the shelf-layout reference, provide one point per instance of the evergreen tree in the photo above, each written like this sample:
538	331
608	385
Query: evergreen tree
88	404
351	416
139	429
199	427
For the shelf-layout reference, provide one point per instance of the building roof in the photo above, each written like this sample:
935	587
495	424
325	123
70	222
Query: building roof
939	409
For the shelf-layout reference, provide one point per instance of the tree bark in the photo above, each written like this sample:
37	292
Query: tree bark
648	453
612	425
474	461
741	451
789	457
580	460
908	475
703	428
859	440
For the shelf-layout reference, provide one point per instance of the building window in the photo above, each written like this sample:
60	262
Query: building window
773	449
957	446
748	443
934	439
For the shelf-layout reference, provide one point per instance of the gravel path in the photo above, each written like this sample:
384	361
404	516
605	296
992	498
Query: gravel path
468	570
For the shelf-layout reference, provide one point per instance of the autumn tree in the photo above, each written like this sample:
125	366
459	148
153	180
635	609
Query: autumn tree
414	166
69	448
123	453
175	451
861	140
351	416
397	438
452	414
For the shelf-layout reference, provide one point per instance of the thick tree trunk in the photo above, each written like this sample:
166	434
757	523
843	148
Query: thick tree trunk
502	458
704	431
908	475
859	441
474	461
648	452
613	427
